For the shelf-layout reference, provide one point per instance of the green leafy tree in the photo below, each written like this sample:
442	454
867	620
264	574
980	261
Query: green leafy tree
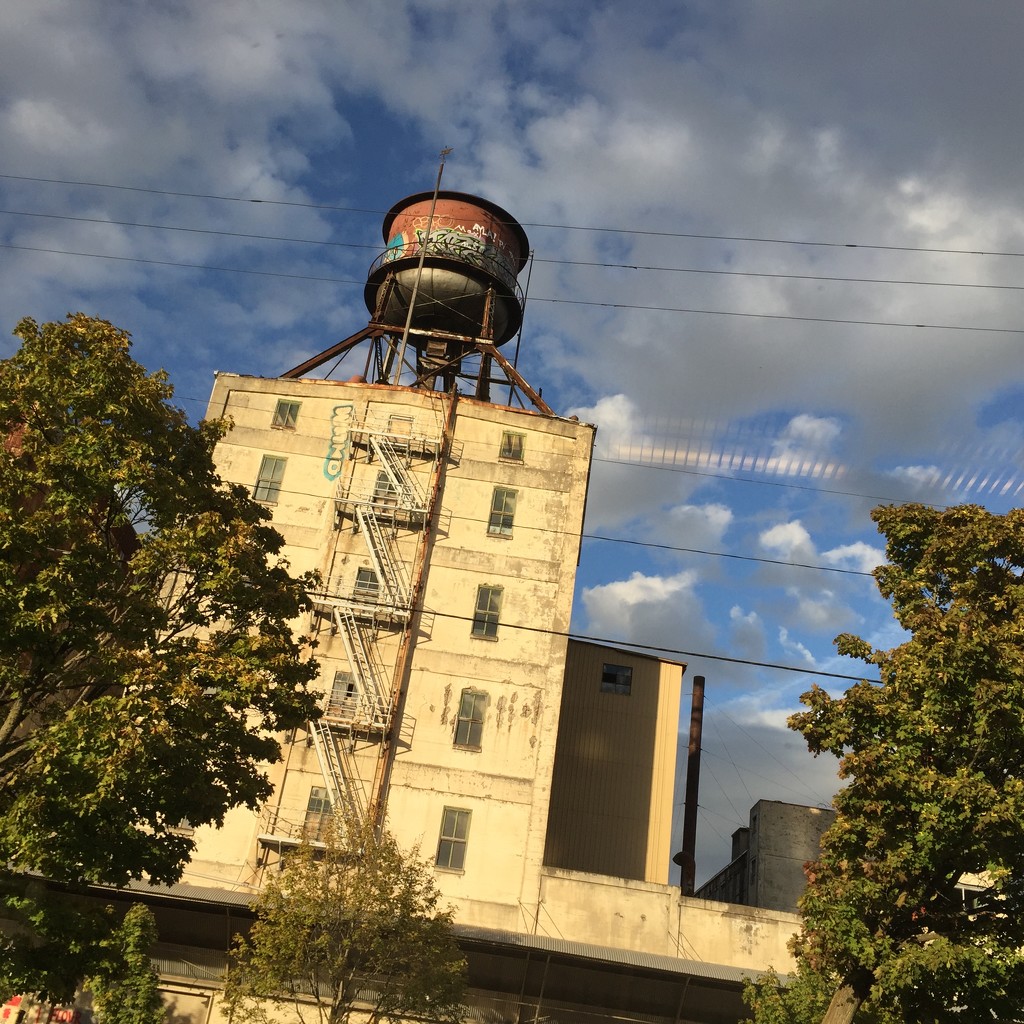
126	992
147	654
351	925
934	762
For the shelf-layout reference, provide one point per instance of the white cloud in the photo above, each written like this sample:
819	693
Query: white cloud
789	541
638	591
918	476
649	609
795	647
699	526
747	633
816	433
616	417
858	555
821	610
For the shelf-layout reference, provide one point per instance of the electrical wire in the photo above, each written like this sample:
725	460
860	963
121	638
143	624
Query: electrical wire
553	262
530	224
690	310
611	540
656	649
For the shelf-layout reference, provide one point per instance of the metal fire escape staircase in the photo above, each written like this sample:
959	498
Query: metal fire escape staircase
358	611
343	787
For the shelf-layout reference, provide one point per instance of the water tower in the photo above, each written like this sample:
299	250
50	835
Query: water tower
443	296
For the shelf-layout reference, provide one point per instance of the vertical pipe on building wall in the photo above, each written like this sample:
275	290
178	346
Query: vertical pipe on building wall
682	1000
543	985
379	797
419	268
686	858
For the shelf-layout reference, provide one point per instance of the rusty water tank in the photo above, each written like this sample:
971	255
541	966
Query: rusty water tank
475	247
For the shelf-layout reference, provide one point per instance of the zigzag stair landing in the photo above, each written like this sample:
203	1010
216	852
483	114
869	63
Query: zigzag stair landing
374	701
390	572
341	783
393	461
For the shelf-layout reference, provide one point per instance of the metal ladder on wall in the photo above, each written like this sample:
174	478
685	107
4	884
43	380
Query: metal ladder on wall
389	570
337	770
393	452
392	460
371	695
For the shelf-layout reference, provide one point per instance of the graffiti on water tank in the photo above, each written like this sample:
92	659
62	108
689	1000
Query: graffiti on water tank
478	246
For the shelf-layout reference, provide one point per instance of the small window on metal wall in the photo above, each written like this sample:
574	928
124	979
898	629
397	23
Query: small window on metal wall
617	679
469	726
451	846
286	414
511	446
268	483
503	512
488	609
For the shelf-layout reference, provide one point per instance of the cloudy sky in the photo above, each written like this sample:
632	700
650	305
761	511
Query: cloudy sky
776	259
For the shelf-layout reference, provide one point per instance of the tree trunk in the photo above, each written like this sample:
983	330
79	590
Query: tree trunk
844	1004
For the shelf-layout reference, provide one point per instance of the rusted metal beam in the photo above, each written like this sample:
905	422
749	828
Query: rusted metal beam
369	331
514	375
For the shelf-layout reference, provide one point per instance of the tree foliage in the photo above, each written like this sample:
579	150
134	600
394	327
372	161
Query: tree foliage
351	925
146	646
933	757
126	989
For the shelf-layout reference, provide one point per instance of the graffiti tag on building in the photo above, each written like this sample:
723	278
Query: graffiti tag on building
337	450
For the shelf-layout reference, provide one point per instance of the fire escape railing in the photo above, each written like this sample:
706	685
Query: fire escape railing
359	604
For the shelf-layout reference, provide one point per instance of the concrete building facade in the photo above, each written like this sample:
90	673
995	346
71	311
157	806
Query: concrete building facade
446	533
534	771
768	857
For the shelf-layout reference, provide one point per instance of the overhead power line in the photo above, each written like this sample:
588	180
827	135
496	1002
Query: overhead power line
603	265
656	648
885	499
723	554
692	310
529	224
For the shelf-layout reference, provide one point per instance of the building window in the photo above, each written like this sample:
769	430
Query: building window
469	726
488	608
503	511
384	490
617	679
286	414
451	847
511	446
318	813
367	584
344	694
268	483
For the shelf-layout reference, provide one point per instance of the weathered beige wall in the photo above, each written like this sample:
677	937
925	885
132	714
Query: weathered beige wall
505	784
627	914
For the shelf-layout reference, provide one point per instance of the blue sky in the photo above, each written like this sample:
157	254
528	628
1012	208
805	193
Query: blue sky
776	260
